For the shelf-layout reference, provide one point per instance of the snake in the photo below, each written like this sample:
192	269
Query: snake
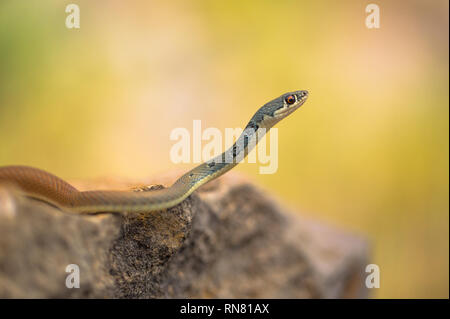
38	184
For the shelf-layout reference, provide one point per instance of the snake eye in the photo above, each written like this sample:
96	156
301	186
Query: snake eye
290	99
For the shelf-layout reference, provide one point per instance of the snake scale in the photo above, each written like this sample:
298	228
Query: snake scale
38	184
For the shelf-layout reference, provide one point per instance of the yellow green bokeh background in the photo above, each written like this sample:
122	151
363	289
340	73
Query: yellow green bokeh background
368	152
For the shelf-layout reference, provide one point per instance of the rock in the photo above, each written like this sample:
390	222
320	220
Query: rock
227	240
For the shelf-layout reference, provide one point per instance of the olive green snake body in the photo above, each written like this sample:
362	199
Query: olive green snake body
46	187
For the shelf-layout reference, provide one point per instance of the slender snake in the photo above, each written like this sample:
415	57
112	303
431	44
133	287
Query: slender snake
38	184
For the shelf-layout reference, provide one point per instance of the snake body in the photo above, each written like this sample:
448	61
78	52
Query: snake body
38	184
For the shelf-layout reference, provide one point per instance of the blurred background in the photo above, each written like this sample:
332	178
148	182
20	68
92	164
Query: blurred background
369	151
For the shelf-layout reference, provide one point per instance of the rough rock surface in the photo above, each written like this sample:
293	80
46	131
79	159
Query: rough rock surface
228	240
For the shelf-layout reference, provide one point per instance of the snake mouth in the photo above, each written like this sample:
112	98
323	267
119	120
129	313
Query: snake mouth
303	97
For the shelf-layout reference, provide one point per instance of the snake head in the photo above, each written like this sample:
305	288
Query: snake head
277	109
